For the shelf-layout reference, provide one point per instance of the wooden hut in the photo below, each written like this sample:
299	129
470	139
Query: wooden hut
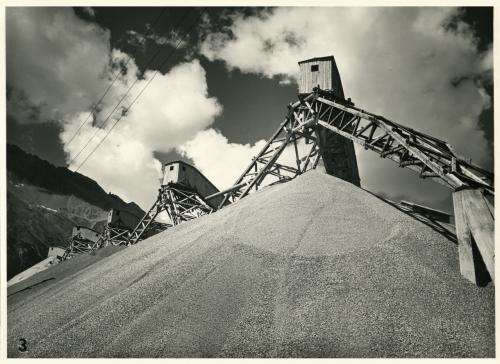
337	153
122	219
185	175
55	251
85	233
320	72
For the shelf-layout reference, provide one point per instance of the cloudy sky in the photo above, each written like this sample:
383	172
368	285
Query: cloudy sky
210	85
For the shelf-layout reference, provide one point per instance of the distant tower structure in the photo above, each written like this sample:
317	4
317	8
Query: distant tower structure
181	195
117	229
337	152
82	240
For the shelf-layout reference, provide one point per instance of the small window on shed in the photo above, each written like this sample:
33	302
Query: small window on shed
183	168
314	68
171	168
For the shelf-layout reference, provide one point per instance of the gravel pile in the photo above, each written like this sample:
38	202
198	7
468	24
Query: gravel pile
312	268
65	270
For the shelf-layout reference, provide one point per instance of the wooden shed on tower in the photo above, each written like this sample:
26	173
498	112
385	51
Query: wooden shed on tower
337	153
320	72
184	174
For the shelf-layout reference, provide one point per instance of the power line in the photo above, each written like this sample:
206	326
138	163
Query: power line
140	93
109	87
125	95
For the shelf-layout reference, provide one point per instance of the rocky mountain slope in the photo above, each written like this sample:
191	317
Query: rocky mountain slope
315	267
44	202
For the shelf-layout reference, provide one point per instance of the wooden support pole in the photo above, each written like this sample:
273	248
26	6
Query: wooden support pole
464	238
482	226
475	228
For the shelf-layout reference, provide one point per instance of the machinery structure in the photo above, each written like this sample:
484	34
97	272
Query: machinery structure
320	128
424	154
83	240
408	148
181	196
323	107
117	229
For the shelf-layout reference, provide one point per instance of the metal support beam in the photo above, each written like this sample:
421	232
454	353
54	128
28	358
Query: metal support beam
180	203
76	246
405	146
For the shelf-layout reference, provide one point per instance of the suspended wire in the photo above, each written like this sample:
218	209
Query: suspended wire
140	93
109	87
124	96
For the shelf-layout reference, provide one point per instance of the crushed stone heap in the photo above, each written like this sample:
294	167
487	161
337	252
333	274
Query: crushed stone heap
315	267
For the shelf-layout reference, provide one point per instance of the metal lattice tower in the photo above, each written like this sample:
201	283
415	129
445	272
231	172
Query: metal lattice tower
179	202
424	154
268	164
112	236
78	245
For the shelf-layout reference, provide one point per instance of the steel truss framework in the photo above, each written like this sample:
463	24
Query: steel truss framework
297	127
112	236
77	246
424	154
116	236
428	156
180	203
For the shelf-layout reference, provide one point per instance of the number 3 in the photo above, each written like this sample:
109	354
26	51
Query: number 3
22	347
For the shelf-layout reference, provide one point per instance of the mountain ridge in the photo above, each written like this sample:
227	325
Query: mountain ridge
62	180
44	202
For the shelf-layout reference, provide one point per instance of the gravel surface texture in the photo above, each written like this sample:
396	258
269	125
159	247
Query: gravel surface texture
64	271
312	268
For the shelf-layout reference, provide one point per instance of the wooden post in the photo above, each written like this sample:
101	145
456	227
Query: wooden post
475	228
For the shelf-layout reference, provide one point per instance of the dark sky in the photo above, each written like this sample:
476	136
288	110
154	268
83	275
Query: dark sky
481	20
253	106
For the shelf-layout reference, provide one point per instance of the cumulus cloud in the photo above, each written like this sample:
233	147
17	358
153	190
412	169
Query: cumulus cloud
66	81
218	159
170	111
56	60
398	62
